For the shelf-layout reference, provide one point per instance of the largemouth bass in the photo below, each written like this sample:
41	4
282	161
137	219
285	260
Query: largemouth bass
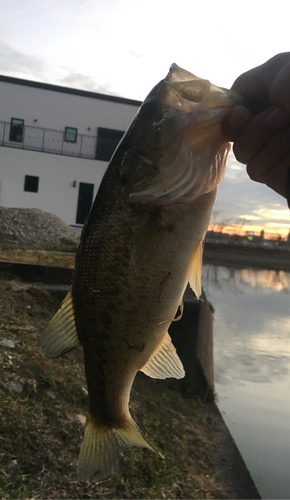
140	247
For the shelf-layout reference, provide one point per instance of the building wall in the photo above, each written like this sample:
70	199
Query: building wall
55	109
56	173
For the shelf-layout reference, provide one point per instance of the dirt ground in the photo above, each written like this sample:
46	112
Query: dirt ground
43	408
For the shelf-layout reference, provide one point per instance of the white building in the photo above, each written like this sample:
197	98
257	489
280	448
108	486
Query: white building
55	143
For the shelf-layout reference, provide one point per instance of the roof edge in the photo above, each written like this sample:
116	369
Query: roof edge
69	90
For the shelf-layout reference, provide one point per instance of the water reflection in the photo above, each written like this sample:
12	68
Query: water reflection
251	323
252	367
277	280
235	279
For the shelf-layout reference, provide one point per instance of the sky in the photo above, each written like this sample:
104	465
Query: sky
124	47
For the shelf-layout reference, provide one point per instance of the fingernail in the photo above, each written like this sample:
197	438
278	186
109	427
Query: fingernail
277	118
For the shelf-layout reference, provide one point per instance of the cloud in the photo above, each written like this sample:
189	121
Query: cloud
15	63
238	197
85	82
21	65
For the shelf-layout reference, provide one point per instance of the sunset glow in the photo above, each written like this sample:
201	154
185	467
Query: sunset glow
271	230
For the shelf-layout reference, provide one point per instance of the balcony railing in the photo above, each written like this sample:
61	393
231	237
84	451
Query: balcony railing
49	141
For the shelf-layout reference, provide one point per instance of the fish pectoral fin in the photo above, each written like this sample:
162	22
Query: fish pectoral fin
164	362
102	448
195	269
60	336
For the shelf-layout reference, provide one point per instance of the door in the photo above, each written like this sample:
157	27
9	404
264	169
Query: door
85	201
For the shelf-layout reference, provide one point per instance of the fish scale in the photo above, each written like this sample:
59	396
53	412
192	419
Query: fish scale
140	247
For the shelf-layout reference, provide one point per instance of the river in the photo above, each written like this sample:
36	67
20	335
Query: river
252	368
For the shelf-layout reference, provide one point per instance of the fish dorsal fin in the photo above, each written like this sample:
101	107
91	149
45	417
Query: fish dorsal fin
164	362
195	269
60	336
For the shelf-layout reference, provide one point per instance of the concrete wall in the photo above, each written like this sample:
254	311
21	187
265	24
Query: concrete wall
57	110
192	337
56	173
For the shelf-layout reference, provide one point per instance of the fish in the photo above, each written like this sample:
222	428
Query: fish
141	245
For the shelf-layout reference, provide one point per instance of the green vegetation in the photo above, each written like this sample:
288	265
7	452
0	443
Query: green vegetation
41	427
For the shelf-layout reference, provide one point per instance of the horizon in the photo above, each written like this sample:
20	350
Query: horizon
244	230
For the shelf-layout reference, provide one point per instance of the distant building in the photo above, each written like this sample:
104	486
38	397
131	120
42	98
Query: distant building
250	235
55	144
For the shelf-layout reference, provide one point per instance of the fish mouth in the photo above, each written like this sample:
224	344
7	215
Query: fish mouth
211	100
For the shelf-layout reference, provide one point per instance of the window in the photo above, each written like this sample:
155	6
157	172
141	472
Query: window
31	183
107	142
70	134
16	130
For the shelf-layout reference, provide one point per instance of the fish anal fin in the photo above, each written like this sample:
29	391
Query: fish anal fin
102	447
195	269
164	362
60	336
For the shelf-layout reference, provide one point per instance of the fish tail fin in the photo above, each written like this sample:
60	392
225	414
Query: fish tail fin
102	447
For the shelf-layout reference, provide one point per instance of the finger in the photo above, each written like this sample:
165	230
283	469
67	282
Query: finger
257	81
253	137
278	118
279	90
234	121
270	155
275	177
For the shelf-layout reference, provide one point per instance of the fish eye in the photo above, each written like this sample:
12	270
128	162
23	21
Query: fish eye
149	106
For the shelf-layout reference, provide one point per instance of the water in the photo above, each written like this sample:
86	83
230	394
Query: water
252	368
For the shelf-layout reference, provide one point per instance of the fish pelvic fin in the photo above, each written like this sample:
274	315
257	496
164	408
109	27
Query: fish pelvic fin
164	362
195	269
60	336
102	448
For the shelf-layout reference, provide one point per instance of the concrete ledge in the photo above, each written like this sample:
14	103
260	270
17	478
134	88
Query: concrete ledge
229	464
192	337
34	273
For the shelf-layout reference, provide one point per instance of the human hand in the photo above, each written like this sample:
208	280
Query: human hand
261	134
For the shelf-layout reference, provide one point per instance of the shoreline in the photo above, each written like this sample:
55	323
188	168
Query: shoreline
245	256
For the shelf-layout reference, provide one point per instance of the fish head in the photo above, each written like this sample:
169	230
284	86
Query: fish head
174	145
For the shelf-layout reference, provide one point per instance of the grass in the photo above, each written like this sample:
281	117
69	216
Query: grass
41	429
